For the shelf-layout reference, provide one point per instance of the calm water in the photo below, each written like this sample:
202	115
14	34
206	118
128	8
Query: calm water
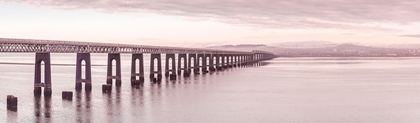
283	90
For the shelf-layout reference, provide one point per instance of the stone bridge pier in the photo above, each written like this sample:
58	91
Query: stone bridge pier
42	58
137	77
241	60
158	72
183	67
225	61
170	71
236	61
219	62
213	61
192	60
83	57
201	63
117	76
232	63
207	63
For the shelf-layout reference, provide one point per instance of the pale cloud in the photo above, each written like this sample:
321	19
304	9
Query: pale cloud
344	14
179	22
412	36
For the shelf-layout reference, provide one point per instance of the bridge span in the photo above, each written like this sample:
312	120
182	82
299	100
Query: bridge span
211	60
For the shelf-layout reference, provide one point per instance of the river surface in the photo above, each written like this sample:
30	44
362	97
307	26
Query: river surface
320	90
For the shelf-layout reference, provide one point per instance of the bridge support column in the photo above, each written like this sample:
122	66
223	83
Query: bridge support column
220	62
117	77
231	61
258	57
185	67
212	65
226	63
249	60
201	66
236	63
159	67
192	59
240	60
253	59
172	71
45	58
243	61
246	60
205	63
134	73
88	76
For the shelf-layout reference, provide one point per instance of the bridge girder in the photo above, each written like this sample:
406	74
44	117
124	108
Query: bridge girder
50	46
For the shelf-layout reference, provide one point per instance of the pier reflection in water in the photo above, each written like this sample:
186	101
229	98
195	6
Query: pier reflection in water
83	107
113	105
43	109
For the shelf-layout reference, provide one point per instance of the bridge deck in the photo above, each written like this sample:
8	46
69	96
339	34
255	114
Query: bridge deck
32	45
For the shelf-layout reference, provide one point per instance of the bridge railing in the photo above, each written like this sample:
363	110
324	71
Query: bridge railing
32	45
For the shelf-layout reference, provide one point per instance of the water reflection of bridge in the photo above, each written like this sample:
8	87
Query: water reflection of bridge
195	60
139	104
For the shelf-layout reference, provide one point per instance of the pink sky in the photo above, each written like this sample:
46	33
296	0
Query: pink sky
213	22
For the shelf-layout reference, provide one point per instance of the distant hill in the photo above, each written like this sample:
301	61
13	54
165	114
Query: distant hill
245	47
305	44
402	46
324	49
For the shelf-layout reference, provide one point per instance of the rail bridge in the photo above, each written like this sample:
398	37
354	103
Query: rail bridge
211	60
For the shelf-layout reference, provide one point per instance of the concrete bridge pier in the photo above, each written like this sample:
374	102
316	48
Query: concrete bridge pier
231	61
201	64
220	61
236	61
206	64
88	75
192	59
257	57
252	60
140	72
117	77
171	72
42	58
249	60
226	63
212	64
241	60
152	67
184	67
